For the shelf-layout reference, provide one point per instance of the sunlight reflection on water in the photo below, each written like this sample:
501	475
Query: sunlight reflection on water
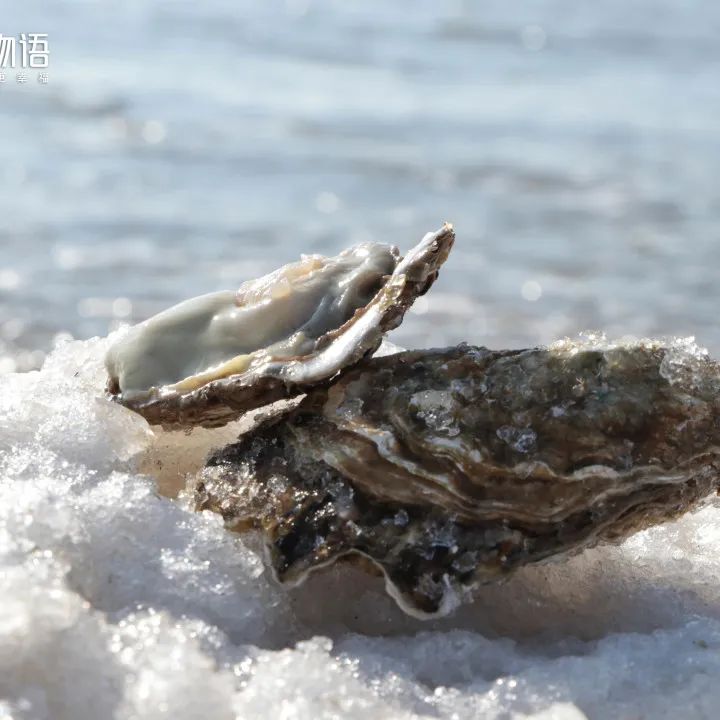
184	147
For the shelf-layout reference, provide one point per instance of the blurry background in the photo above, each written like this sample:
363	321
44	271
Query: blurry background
183	147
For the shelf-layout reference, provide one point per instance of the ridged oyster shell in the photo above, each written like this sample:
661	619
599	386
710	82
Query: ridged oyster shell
449	468
209	359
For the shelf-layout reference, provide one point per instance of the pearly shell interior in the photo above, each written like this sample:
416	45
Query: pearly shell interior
212	358
278	316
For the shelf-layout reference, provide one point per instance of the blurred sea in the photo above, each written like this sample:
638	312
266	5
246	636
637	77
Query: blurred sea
182	147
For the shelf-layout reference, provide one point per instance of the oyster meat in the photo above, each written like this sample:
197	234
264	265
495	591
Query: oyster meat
449	468
209	359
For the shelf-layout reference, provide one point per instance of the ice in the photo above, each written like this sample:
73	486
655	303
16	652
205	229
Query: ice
387	348
436	409
521	440
120	602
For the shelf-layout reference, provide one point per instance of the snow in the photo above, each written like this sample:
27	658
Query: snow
120	602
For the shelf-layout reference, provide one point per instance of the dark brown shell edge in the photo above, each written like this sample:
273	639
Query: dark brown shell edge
222	401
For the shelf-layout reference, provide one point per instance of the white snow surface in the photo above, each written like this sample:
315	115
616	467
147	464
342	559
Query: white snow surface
118	602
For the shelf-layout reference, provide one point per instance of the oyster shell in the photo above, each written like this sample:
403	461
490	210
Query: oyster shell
209	359
449	468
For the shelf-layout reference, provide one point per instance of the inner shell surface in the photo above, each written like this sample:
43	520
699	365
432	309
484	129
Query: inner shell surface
280	315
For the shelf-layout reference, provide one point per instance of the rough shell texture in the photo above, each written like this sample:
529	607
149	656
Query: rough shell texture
449	468
270	378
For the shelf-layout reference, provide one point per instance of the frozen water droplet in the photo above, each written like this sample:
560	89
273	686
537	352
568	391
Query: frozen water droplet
433	407
521	440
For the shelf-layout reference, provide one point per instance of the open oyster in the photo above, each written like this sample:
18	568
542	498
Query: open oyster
448	468
208	359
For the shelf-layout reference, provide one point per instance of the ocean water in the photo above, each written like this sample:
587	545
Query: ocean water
179	148
182	147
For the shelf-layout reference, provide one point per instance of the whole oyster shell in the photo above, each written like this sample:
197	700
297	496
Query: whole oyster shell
448	468
209	359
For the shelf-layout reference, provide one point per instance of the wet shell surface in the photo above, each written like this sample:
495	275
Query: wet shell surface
450	468
211	358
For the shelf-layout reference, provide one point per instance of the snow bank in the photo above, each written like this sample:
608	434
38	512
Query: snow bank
120	602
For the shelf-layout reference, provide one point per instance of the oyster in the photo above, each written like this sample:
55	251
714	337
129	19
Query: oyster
449	468
209	359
